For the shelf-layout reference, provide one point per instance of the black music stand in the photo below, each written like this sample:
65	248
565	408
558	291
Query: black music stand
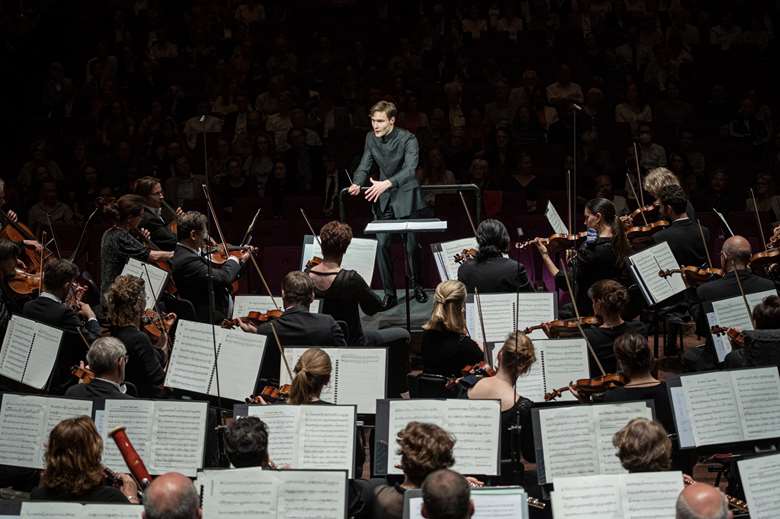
404	227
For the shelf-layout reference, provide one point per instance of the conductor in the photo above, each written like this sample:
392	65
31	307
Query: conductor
396	195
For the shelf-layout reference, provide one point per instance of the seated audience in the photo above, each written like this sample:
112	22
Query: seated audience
106	358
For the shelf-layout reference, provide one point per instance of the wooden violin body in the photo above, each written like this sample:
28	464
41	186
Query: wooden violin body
556	242
735	336
470	375
253	318
644	231
560	327
270	395
465	255
587	387
694	275
85	375
157	326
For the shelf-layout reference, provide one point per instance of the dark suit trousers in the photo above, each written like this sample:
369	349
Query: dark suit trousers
386	260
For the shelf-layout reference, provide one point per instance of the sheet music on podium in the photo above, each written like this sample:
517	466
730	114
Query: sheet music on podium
309	436
558	362
242	305
577	440
360	255
617	496
726	406
29	351
500	310
192	366
158	277
489	503
65	510
645	267
359	375
27	420
444	256
555	220
278	494
475	424
761	478
169	435
410	225
732	313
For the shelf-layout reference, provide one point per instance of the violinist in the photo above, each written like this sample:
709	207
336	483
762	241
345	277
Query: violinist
446	346
490	272
601	256
609	299
12	217
191	270
9	256
312	373
125	240
762	345
514	360
246	443
107	358
682	235
297	326
125	301
657	179
153	220
57	307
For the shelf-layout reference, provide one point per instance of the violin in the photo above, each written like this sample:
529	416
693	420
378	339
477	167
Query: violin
313	262
736	337
765	261
156	325
85	375
694	275
254	318
24	282
556	242
270	395
470	375
218	256
560	327
640	211
465	255
587	387
643	231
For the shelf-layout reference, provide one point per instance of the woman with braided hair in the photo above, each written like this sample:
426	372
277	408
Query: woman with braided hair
446	346
312	373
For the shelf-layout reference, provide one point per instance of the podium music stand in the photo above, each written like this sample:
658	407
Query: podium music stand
404	227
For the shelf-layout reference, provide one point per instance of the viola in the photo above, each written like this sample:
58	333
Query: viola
587	387
556	242
465	255
254	318
559	327
85	375
270	395
694	275
25	282
736	337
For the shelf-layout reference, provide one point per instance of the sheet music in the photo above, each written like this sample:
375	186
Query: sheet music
569	442
65	510
192	361
136	417
318	436
401	413
647	265
498	312
758	398
448	251
720	341
609	419
25	424
732	313
555	220
682	419
475	425
156	275
29	351
712	407
404	226
489	503
279	494
760	479
242	305
360	255
651	494
358	377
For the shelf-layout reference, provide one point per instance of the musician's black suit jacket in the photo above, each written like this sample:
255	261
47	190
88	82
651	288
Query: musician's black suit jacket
685	241
298	327
96	389
190	272
494	275
160	234
72	348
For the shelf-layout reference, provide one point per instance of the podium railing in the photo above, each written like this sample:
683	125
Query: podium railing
472	189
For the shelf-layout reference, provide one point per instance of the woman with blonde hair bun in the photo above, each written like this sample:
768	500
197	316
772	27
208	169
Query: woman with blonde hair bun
312	373
446	346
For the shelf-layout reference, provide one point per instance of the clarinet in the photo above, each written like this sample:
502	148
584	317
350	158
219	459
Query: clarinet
132	458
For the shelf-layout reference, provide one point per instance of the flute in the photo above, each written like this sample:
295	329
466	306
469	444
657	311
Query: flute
132	458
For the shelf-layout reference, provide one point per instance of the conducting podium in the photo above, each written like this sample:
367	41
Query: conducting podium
404	227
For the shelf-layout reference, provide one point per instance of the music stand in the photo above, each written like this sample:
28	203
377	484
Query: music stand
404	227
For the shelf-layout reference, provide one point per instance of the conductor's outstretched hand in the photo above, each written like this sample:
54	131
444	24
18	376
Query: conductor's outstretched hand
377	188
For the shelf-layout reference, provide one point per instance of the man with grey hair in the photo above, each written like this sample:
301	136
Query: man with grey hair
702	501
172	496
446	495
106	358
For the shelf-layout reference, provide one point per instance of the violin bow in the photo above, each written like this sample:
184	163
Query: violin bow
75	252
214	217
43	249
577	314
758	218
742	292
311	229
248	235
639	175
468	214
488	359
704	242
160	323
569	212
633	190
53	237
281	351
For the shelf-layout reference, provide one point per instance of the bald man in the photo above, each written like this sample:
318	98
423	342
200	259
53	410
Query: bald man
172	496
702	501
446	495
734	259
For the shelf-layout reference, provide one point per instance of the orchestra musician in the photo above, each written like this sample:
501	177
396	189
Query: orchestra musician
682	235
514	360
702	501
446	494
191	272
312	373
73	469
12	216
152	220
145	368
659	178
297	325
643	446
446	346
761	345
172	495
124	240
246	443
609	299
107	359
490	272
396	195
601	256
9	256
